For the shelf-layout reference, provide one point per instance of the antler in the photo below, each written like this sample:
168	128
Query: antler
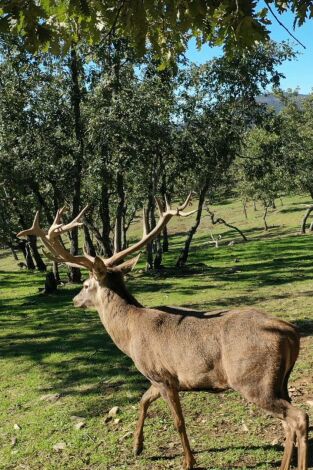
52	240
165	217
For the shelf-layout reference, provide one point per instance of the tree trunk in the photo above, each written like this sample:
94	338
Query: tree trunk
305	218
182	259
149	218
25	248
50	284
165	243
55	269
105	216
118	232
244	204
74	273
264	217
89	247
41	200
32	239
13	251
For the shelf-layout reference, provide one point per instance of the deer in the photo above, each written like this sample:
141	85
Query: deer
178	349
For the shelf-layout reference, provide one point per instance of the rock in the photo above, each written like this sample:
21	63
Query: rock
117	421
17	427
309	402
50	397
79	425
77	418
244	427
113	411
275	442
13	441
59	446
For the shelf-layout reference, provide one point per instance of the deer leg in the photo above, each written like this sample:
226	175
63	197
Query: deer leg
297	422
149	397
171	396
289	446
301	427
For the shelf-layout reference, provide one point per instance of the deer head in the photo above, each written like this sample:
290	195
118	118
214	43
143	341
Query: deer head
104	273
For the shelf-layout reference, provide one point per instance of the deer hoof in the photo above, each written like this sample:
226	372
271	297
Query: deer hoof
189	463
138	448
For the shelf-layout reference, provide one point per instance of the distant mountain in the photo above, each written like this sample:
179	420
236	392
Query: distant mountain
274	102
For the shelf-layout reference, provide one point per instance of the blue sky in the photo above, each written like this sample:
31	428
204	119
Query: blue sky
299	72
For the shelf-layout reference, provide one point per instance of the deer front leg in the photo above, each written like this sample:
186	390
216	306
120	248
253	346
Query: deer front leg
172	398
149	397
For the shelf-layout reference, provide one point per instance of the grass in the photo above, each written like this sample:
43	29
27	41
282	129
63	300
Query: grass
58	363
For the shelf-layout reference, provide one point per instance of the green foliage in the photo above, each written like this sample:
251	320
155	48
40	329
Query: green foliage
260	168
164	26
297	122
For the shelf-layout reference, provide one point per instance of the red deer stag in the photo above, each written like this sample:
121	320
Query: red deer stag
181	350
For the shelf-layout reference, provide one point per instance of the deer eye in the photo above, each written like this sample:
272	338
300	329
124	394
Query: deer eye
86	286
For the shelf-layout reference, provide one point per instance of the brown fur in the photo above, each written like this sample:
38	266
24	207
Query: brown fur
180	349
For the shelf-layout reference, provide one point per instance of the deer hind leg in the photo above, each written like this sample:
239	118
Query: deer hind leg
289	446
299	421
149	397
171	396
296	426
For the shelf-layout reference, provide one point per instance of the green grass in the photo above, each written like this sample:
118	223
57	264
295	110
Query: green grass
48	347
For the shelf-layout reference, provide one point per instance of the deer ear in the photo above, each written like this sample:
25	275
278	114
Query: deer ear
99	269
127	266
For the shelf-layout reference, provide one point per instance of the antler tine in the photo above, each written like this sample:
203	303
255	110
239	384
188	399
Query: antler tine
186	214
148	236
87	255
57	223
57	219
185	204
159	206
52	240
52	257
34	229
75	222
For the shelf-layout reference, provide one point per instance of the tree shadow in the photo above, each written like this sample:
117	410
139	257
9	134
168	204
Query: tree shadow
90	364
247	448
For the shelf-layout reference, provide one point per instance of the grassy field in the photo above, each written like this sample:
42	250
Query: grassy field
60	373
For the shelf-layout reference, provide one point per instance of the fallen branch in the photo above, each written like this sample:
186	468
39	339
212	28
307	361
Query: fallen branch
305	218
218	220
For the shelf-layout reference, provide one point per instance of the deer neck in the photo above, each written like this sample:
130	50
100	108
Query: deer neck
115	307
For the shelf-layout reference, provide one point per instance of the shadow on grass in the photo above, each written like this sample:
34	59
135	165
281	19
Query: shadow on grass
71	347
246	448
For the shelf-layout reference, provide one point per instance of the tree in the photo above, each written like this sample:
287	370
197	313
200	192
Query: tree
166	26
218	102
260	168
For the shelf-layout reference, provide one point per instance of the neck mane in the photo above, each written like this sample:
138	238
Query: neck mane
115	282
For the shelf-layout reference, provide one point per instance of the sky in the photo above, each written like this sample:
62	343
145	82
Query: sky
299	72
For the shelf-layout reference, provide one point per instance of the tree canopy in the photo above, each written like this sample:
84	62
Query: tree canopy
163	26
